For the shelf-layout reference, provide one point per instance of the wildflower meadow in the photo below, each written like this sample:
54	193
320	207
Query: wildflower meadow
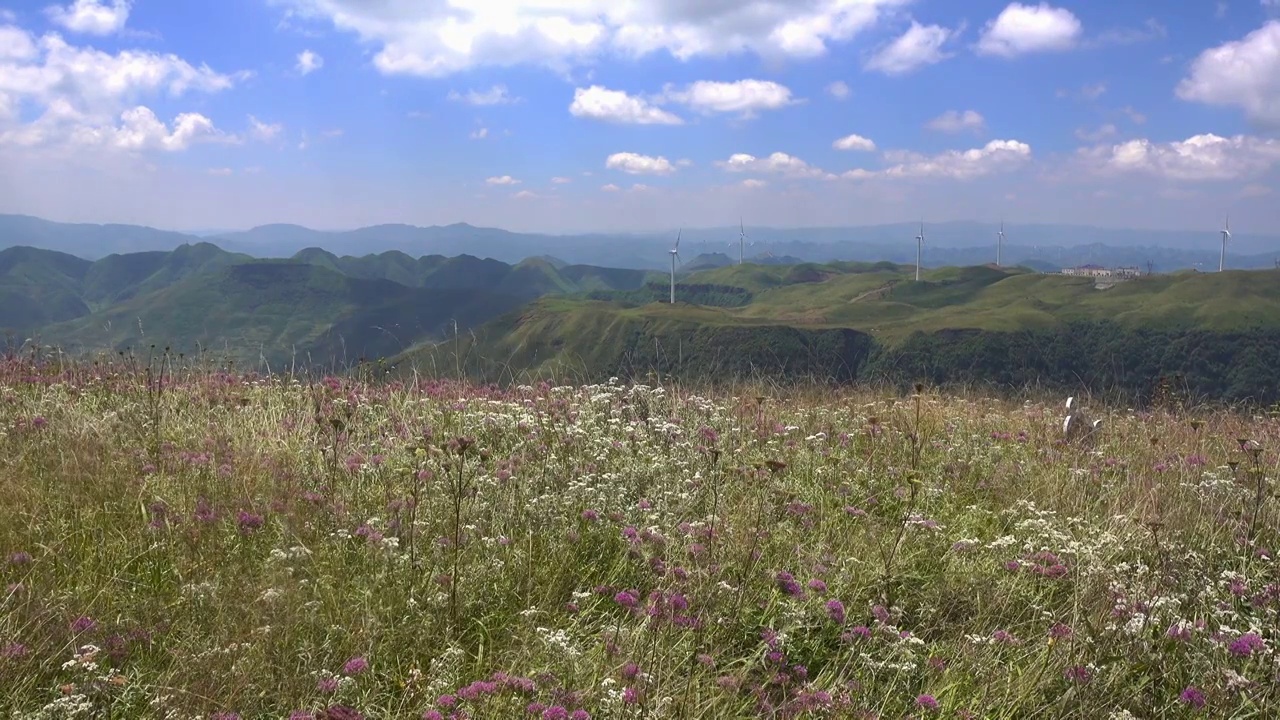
193	543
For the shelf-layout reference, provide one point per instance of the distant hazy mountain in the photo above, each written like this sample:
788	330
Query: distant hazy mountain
951	243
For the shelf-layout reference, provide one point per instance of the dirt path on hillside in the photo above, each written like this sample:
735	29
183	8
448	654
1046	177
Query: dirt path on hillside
880	291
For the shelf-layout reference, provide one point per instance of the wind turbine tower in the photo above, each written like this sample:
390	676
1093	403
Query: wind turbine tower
999	242
742	242
1226	235
919	249
675	256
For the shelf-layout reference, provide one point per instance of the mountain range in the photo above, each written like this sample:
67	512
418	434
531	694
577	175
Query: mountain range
1044	247
776	316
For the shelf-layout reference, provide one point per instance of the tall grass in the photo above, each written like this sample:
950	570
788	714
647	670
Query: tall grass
191	543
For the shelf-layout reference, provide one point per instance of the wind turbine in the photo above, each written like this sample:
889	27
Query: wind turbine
999	242
675	256
1226	235
919	249
742	242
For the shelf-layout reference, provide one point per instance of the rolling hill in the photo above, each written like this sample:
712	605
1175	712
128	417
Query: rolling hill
871	321
316	307
842	321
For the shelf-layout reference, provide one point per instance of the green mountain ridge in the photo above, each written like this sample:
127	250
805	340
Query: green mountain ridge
841	321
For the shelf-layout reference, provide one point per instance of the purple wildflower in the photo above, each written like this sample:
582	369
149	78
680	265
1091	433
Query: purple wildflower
248	522
84	623
1246	645
1192	696
835	611
928	702
355	666
20	558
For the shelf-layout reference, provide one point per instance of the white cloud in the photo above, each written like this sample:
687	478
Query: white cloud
854	142
919	46
1242	73
778	162
635	164
560	180
503	180
954	121
525	194
1086	92
1201	157
753	183
742	96
437	39
479	133
220	172
1152	29
91	17
265	132
309	62
640	187
1103	132
601	103
610	188
995	156
1134	116
1021	29
79	94
138	130
839	90
496	95
16	44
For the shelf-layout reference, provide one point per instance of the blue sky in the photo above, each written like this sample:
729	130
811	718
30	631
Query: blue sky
574	115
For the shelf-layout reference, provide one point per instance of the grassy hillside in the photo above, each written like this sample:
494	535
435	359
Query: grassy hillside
281	311
315	308
941	328
246	547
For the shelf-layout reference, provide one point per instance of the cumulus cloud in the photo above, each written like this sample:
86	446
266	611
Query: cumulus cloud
919	46
438	39
635	164
496	95
1242	73
91	17
503	180
1198	158
616	106
854	142
479	133
954	121
839	90
309	62
560	180
1103	132
742	96
995	156
265	132
779	163
1020	29
753	183
525	194
610	188
84	96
